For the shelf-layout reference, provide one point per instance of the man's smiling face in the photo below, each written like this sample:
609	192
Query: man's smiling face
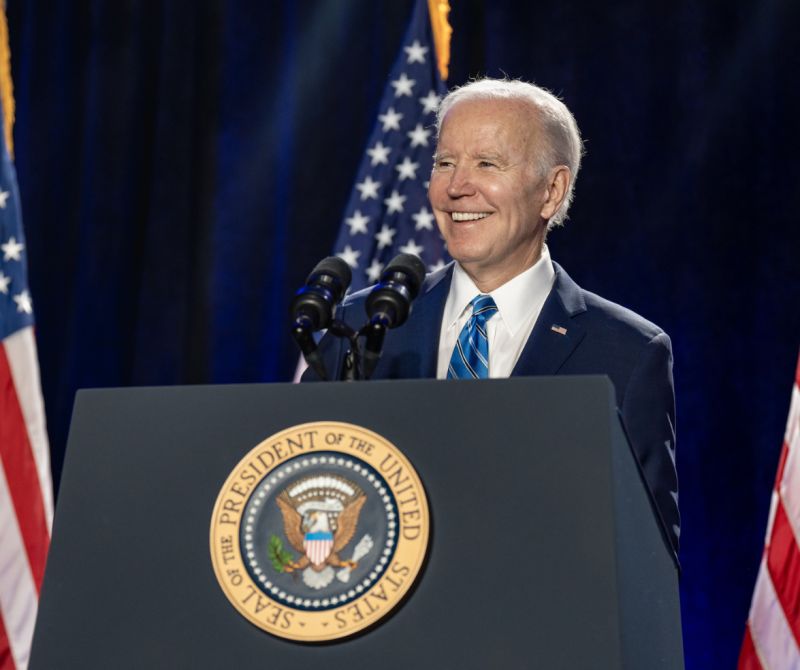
487	191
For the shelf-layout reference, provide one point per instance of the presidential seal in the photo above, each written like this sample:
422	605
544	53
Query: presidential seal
319	531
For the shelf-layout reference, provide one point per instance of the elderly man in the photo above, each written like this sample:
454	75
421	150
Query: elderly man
505	166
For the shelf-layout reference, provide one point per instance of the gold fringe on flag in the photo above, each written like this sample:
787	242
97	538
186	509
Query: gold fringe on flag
442	31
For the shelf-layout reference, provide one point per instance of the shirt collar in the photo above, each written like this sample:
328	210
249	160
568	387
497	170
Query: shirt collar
515	300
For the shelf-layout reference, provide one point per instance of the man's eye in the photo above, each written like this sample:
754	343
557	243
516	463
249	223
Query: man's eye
444	163
486	164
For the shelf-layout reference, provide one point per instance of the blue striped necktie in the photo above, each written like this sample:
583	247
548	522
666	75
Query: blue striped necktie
470	359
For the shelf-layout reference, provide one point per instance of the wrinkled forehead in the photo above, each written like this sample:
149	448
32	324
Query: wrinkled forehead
490	123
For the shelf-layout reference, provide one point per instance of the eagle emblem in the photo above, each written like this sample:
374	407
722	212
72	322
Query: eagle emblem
320	518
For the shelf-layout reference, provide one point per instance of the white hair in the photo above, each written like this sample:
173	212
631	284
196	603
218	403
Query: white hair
563	144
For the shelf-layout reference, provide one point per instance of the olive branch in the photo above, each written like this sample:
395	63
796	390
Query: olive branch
277	554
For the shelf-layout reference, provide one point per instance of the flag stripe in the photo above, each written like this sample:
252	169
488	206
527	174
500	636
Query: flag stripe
773	627
783	562
18	597
774	642
21	474
6	660
748	659
793	424
789	485
781	466
24	365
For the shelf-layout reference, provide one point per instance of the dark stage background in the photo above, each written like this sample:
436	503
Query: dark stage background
183	165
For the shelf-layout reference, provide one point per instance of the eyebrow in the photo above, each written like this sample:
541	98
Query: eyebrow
492	156
479	156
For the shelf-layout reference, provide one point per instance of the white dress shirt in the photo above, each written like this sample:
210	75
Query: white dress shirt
519	302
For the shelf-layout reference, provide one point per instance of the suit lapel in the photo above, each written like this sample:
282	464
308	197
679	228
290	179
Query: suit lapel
555	334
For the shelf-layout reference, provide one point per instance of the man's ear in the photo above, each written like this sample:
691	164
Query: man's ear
557	184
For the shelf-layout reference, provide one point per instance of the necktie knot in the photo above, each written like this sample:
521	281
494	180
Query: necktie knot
470	359
483	308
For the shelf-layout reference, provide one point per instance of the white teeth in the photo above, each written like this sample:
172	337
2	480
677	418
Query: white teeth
469	216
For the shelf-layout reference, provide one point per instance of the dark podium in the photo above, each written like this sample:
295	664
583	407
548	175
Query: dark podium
544	549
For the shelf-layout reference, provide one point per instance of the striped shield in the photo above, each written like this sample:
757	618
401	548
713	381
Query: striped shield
318	546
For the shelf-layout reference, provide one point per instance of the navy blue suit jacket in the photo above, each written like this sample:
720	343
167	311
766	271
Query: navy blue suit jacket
601	338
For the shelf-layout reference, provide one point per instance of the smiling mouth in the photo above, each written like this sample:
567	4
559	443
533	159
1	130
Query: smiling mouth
469	216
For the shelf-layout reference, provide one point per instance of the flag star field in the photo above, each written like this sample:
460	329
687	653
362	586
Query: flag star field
388	211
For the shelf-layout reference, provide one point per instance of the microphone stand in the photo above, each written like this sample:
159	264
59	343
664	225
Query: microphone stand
351	370
374	331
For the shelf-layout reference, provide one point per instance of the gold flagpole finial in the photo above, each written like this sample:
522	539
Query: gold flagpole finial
442	31
6	86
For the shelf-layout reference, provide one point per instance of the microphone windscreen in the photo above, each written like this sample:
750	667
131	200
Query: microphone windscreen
411	266
334	268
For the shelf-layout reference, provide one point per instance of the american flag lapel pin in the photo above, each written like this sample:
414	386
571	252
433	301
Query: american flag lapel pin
558	329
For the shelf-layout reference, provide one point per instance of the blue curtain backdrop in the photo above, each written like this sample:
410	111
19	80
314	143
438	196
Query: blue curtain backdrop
184	164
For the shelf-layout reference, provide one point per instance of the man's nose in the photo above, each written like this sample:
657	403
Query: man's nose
460	184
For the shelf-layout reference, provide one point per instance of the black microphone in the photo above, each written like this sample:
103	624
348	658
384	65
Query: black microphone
389	303
312	306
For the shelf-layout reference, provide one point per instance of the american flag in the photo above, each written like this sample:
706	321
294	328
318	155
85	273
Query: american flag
26	496
773	626
388	212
